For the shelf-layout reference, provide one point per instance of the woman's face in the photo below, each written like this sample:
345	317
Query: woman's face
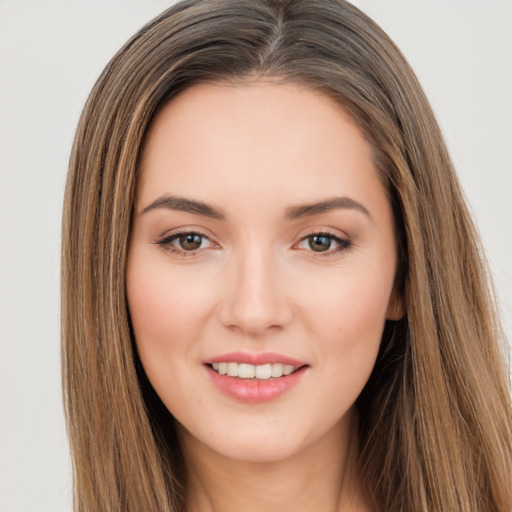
262	244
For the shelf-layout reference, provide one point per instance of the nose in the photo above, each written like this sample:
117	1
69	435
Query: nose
254	295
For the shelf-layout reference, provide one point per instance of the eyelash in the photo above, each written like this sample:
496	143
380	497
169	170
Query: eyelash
343	244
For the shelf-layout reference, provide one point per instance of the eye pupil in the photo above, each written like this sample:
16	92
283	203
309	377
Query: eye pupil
319	243
190	242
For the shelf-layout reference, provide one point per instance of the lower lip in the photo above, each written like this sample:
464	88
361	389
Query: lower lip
255	391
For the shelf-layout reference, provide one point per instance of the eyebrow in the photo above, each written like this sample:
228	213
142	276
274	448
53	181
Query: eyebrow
335	203
292	213
185	205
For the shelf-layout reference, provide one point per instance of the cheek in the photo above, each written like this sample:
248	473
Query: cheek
350	306
347	325
166	307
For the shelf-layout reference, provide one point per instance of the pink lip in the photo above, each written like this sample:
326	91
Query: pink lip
254	391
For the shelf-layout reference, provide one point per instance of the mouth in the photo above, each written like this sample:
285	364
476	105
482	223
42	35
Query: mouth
255	379
249	371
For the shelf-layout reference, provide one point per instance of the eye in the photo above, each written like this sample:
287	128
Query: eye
324	243
319	243
190	241
186	242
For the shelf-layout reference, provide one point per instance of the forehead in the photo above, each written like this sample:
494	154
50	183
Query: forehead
277	140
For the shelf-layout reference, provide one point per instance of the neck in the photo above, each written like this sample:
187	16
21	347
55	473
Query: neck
320	477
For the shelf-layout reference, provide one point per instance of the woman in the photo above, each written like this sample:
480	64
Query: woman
273	294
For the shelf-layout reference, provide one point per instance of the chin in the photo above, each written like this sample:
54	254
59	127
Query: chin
263	441
257	450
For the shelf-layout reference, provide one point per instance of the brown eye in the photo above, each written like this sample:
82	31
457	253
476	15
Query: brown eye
324	243
319	243
190	241
186	243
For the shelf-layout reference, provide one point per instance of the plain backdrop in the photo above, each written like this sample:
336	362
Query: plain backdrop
51	53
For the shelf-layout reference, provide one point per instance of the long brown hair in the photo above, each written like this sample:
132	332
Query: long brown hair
435	416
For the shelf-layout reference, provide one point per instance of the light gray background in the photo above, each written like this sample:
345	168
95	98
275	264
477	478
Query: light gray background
50	55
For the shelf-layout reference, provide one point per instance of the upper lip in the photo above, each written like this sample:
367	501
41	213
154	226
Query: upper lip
255	359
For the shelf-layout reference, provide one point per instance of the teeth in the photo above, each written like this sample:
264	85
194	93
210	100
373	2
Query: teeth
246	371
288	368
263	371
277	370
232	369
249	371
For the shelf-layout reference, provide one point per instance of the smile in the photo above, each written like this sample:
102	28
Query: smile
255	379
250	371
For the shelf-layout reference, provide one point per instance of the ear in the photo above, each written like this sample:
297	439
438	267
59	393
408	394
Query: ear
396	308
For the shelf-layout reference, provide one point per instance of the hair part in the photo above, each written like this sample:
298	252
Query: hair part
435	416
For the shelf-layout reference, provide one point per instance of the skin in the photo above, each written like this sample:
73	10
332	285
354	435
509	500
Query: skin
255	285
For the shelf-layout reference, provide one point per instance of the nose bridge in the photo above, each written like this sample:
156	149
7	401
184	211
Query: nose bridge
255	298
